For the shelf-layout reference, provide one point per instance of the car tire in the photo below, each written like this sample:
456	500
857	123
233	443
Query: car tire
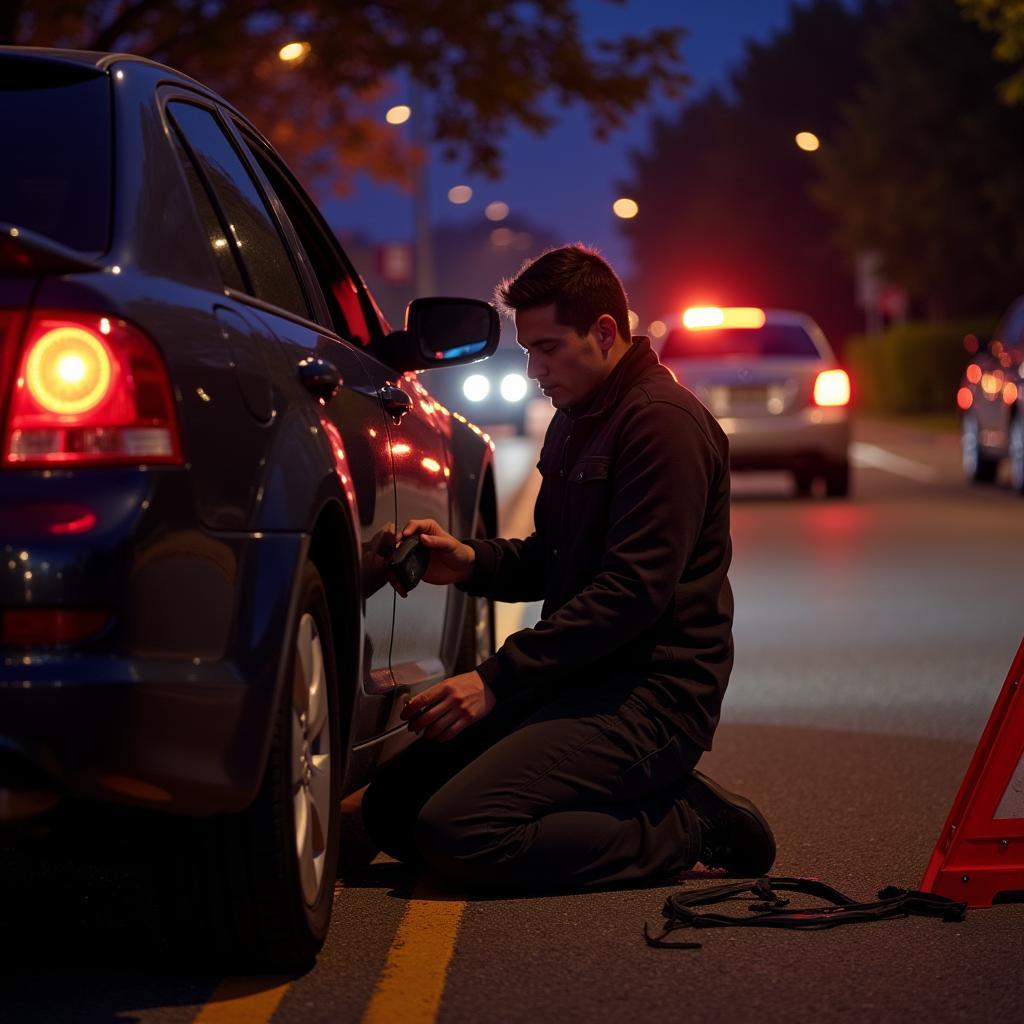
256	888
803	482
1016	453
978	467
837	481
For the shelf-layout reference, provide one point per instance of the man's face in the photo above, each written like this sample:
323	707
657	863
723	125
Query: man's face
568	366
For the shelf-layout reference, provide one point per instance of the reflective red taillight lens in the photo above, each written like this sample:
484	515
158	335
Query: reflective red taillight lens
832	388
89	389
43	627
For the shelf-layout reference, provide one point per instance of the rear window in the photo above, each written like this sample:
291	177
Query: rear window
750	343
55	174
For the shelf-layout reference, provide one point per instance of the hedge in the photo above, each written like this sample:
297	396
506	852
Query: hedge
913	367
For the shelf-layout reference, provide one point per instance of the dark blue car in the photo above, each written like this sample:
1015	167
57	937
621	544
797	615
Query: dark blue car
208	437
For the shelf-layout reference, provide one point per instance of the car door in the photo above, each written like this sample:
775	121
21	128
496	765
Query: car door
414	426
268	325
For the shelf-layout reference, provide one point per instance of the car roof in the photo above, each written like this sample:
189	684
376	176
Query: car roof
99	61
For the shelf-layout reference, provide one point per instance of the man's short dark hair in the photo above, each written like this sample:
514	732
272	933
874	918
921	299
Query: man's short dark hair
580	283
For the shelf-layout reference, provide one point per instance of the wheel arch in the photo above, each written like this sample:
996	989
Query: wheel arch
333	549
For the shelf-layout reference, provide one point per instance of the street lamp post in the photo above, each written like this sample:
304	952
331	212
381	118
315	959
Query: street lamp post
423	249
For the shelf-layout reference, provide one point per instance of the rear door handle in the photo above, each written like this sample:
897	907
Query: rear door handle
320	377
395	400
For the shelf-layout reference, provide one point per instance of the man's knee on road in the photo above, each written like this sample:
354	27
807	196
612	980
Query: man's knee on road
467	847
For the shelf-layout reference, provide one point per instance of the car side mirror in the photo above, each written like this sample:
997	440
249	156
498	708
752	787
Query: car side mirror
442	332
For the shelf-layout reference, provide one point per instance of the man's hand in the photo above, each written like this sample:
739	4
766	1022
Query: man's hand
443	711
451	561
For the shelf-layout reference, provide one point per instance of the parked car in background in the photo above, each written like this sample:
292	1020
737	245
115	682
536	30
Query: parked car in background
208	435
991	403
773	382
494	392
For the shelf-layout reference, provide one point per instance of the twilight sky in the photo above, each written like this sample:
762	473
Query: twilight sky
565	180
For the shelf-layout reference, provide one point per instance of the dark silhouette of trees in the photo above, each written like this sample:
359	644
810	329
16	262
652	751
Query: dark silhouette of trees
485	65
928	168
726	214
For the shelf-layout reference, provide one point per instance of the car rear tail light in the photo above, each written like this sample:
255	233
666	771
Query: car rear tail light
832	388
43	627
89	389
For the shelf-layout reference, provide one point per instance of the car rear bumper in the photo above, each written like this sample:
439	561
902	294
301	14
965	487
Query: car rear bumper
808	439
171	706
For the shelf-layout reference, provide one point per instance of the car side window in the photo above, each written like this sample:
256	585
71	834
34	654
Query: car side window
216	231
337	282
252	230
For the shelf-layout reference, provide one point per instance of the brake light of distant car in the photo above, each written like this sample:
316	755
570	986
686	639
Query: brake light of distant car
964	398
89	389
832	388
709	318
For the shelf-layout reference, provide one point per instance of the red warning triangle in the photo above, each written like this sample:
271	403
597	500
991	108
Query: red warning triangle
980	854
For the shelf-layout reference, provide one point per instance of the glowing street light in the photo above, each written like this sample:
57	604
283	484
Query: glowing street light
460	194
294	53
398	115
807	141
496	211
625	208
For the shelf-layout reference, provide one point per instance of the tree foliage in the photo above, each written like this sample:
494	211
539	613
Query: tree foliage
724	191
485	64
1006	19
929	168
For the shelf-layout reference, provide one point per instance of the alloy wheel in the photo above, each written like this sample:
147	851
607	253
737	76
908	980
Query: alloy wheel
969	446
310	758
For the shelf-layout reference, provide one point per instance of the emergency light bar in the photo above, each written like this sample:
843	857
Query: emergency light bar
709	318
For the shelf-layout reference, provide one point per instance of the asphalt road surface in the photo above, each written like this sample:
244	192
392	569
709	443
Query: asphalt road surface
872	637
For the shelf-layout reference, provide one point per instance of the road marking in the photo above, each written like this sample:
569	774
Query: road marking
869	456
243	1001
412	982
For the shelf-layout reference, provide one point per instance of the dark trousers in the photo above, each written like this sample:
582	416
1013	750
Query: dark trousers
578	791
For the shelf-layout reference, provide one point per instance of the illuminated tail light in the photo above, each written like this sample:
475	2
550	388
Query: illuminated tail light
89	390
832	388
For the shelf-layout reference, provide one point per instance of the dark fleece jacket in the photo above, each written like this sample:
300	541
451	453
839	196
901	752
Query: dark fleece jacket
630	552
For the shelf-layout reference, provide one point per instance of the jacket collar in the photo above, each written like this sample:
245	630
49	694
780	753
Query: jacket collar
638	359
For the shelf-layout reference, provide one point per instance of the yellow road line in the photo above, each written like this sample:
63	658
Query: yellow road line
412	982
243	1001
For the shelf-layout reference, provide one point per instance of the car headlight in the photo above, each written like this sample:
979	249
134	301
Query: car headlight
513	387
476	388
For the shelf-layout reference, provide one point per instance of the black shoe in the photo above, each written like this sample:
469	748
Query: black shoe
734	833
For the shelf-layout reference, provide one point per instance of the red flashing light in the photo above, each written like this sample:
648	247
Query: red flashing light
965	398
89	390
832	388
710	318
